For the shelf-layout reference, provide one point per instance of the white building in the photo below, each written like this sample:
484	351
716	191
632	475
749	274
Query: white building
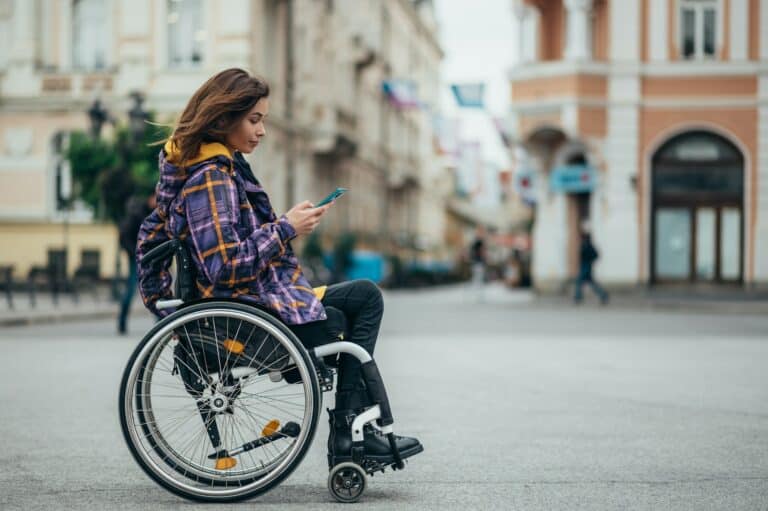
330	123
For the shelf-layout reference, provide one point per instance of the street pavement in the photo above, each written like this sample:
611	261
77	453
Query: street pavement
519	404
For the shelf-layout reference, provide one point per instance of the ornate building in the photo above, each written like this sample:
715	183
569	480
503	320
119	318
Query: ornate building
331	124
646	121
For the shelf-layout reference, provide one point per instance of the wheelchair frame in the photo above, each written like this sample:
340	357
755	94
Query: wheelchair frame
347	481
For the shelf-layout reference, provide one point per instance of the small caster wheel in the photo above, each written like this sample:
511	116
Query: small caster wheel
347	482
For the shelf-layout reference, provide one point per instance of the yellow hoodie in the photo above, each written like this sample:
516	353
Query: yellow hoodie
207	151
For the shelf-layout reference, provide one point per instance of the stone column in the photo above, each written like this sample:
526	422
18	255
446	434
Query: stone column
579	30
20	79
759	274
519	12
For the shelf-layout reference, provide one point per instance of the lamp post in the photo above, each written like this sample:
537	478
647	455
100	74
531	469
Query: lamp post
137	117
63	203
98	115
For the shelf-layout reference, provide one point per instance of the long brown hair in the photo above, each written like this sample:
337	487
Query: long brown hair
215	109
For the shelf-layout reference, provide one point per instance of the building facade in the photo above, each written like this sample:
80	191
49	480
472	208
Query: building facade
646	122
330	123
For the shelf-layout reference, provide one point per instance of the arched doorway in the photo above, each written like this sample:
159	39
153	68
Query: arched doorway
697	206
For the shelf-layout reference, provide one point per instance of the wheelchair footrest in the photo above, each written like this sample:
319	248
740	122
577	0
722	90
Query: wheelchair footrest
372	464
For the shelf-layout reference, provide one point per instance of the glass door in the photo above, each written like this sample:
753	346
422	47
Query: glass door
730	243
706	255
673	243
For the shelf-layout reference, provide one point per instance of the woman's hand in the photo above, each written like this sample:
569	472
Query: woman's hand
304	217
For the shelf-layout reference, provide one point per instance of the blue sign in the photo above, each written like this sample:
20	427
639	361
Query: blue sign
469	95
572	179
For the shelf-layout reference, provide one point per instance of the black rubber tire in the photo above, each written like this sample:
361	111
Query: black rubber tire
352	471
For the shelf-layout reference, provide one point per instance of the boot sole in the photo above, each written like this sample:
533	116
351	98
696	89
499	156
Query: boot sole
383	460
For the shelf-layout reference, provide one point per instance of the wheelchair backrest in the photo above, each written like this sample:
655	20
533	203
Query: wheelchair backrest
184	285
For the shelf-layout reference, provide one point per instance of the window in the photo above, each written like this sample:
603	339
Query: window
89	44
186	33
698	28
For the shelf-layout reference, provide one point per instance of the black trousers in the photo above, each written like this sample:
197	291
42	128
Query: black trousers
362	306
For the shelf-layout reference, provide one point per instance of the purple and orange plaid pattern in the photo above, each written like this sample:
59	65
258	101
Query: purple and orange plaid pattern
240	249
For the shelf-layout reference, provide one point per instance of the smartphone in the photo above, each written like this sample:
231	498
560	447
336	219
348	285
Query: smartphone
338	192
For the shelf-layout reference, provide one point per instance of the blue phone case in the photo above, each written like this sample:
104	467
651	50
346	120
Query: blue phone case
338	192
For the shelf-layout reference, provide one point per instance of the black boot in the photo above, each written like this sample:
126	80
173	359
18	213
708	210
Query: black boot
405	444
375	445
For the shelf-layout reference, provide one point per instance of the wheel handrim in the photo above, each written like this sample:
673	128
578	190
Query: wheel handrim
150	438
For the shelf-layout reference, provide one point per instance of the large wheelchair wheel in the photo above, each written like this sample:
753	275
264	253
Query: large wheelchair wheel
219	402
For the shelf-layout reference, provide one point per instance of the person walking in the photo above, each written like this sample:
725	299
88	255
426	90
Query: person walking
587	256
478	259
137	208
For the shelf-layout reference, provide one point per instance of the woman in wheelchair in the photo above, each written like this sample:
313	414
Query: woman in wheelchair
210	200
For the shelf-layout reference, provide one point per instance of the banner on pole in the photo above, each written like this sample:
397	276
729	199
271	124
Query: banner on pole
469	95
401	93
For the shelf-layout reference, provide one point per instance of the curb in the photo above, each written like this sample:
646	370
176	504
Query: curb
693	306
44	319
52	317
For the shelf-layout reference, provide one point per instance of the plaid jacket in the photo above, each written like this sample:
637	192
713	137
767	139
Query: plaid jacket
240	249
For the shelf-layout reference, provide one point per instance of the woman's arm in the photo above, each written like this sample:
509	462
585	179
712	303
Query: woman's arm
211	204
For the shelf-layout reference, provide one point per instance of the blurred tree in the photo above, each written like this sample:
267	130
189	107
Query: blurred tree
107	172
117	186
89	157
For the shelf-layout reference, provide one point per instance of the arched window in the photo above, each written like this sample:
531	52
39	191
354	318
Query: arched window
698	165
697	197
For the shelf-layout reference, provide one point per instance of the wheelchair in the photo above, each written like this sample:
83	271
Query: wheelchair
219	402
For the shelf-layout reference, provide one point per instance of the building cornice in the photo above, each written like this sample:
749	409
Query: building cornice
665	103
530	71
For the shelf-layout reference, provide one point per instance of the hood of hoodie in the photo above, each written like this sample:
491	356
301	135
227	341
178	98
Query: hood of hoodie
173	176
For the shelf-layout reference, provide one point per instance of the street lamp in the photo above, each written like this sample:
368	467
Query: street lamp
98	115
137	116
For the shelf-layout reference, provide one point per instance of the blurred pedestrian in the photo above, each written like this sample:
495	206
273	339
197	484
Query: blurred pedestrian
478	259
587	256
137	208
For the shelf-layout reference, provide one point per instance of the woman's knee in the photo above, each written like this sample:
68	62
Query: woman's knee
371	291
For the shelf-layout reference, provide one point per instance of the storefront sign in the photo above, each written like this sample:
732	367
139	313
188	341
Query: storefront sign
572	179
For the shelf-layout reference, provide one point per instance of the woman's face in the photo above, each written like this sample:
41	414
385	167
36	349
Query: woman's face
248	132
